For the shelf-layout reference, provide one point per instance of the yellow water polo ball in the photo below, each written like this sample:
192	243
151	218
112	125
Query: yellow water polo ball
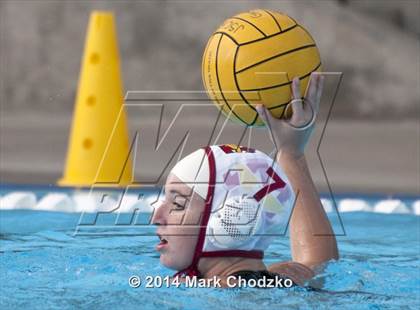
252	58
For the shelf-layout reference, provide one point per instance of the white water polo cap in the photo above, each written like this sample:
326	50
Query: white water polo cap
248	201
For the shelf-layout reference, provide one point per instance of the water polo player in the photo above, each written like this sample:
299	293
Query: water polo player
224	204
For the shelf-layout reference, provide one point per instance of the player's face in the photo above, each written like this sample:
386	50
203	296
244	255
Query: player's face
178	217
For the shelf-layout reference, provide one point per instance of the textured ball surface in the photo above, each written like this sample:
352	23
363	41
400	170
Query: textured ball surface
252	58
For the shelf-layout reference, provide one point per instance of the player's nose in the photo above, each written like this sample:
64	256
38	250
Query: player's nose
159	215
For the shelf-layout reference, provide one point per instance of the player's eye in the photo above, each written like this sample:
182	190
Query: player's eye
178	206
180	202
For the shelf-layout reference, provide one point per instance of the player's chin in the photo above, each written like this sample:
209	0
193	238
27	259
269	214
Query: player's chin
171	261
167	260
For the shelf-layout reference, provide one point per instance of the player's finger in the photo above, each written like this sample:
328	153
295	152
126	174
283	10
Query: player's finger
267	118
319	92
296	88
314	102
296	103
310	93
264	114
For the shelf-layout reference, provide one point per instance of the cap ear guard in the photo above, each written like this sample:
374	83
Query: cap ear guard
233	224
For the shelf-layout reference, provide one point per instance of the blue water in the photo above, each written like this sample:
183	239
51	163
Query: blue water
44	264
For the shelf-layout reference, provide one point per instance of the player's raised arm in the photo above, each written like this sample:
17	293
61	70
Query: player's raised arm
311	235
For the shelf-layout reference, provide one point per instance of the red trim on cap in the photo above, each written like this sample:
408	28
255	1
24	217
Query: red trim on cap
234	253
192	270
278	183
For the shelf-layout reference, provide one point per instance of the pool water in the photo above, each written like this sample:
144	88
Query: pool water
45	264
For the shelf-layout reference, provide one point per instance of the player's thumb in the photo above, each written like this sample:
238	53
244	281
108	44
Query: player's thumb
264	114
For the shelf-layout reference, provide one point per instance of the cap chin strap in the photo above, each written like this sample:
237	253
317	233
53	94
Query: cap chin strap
192	269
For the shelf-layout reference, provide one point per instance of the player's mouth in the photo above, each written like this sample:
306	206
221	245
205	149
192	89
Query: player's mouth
162	244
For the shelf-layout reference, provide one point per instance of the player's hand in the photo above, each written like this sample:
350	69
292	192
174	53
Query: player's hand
291	135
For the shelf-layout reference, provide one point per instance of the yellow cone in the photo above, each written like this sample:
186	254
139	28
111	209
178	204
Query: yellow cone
98	151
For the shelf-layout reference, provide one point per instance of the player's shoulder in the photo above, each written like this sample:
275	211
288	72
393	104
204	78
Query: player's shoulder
297	272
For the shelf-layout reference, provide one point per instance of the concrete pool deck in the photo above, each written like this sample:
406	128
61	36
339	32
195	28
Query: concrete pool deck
358	156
